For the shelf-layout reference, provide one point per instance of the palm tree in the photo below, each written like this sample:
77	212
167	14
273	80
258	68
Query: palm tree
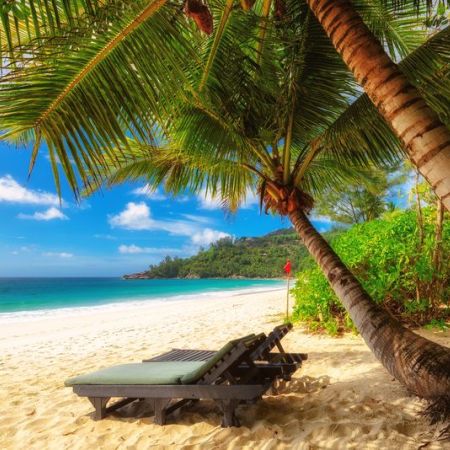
423	133
145	96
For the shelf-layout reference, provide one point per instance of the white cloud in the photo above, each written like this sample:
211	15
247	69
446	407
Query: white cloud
207	236
83	205
156	195
195	218
137	216
108	237
149	192
23	249
134	249
50	214
13	192
57	160
58	254
251	200
320	218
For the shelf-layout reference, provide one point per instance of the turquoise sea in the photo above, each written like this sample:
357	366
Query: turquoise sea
20	295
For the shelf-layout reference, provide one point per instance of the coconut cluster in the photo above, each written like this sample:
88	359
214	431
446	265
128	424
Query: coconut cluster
285	200
199	12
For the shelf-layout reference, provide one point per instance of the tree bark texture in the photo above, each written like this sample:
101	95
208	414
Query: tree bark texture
425	138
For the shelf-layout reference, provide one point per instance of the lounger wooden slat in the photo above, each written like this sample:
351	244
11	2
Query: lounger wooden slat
273	340
178	354
263	353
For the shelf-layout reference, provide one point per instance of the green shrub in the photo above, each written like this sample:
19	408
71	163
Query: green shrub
439	324
398	273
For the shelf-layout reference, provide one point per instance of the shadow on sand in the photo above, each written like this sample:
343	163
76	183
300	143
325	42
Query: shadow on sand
292	398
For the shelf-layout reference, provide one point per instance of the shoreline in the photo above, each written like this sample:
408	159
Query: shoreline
237	277
211	295
121	276
342	398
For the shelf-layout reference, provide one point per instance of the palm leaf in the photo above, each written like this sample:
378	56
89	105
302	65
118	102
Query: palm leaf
179	171
23	21
361	135
137	77
87	101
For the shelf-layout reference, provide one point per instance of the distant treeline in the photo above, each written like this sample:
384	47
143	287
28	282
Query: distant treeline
255	257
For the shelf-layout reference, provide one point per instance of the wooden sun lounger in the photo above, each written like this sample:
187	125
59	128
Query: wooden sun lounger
282	363
231	377
273	340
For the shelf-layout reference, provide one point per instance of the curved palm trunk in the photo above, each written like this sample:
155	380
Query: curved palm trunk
421	365
425	138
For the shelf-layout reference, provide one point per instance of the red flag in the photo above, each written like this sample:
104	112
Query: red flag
287	267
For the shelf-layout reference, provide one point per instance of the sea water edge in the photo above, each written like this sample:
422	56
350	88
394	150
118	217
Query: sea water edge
209	292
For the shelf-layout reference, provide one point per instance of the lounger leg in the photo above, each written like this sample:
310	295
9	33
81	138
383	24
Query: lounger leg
99	403
161	405
229	413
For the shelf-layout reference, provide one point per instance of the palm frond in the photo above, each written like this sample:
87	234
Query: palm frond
361	135
99	91
328	173
178	171
23	21
398	25
216	42
90	91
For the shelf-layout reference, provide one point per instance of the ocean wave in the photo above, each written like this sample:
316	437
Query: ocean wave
127	303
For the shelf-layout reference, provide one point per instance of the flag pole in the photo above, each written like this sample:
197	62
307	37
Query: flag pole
287	270
287	299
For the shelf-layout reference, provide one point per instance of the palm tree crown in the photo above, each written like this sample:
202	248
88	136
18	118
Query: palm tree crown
262	90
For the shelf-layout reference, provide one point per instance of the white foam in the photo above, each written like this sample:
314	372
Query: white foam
31	315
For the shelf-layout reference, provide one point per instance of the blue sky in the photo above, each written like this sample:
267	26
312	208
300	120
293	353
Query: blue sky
118	231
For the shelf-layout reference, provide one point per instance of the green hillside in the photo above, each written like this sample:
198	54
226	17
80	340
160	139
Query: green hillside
249	257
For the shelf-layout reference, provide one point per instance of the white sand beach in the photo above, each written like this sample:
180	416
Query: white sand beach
342	398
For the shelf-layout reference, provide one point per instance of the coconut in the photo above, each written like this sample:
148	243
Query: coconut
201	15
285	200
280	9
247	5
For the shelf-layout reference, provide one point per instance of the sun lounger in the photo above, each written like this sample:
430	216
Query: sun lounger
273	340
287	363
228	377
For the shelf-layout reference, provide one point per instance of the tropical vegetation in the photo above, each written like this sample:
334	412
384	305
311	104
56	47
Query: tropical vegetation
393	263
363	199
131	90
245	257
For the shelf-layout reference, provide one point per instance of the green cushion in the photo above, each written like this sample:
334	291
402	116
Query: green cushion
164	372
167	372
196	374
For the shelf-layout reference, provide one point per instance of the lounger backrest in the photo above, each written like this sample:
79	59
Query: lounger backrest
229	355
272	341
